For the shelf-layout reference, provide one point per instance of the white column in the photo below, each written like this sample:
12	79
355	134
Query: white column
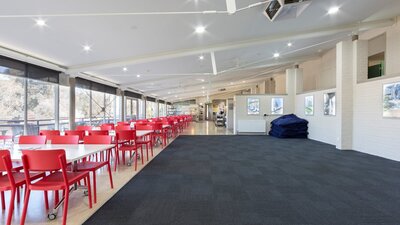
345	80
293	77
72	103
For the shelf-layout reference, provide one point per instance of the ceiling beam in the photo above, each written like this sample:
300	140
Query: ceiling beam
353	27
213	63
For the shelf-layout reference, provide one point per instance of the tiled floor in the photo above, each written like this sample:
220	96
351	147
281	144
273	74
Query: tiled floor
78	210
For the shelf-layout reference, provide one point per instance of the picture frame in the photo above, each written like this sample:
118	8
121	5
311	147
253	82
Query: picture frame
253	106
277	106
330	104
309	105
391	100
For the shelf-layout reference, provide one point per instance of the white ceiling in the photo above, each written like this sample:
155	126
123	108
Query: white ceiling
164	49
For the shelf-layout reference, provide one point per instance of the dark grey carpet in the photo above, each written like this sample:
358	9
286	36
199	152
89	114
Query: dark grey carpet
217	180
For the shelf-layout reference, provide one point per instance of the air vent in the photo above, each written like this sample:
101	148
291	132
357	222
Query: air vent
285	9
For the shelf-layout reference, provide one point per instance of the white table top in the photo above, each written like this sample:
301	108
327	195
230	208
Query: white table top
72	152
140	133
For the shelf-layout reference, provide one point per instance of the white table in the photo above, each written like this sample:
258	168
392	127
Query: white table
72	152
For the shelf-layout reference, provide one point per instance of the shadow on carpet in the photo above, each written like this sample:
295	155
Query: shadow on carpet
218	180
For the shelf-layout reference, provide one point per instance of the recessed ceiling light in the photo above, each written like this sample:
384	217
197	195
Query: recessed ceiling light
289	44
138	75
204	92
125	69
202	87
244	81
40	22
333	10
201	57
169	92
87	48
231	83
276	55
200	29
176	96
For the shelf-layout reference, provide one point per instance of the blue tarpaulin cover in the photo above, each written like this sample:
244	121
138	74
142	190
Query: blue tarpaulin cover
289	126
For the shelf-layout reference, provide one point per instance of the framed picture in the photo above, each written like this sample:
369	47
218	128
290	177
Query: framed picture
253	106
309	105
330	104
391	100
277	106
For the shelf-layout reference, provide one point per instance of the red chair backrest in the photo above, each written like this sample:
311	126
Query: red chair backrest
98	139
107	127
6	166
84	128
66	140
98	132
80	133
125	135
32	140
6	137
123	123
49	134
157	126
123	127
143	127
43	160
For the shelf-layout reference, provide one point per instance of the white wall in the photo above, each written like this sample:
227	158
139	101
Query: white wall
321	128
240	108
280	83
374	134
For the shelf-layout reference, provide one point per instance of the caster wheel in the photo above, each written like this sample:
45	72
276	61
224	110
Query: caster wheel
85	193
52	216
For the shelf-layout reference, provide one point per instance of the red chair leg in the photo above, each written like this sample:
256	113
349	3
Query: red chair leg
136	156
142	156
110	175
46	200
116	161
89	192
11	207
26	202
66	201
3	201
147	153
18	195
94	187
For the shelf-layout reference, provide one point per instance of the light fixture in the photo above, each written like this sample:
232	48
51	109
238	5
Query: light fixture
169	92
202	80
276	55
200	29
231	83
40	22
176	96
125	69
244	81
201	57
202	87
87	48
333	10
138	75
289	44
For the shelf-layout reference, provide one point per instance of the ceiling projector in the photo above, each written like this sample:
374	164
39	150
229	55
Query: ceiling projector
285	9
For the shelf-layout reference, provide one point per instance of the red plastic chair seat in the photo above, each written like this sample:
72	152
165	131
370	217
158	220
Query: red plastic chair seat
19	180
55	181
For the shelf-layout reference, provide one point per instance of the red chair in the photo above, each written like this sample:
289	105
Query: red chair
80	133
49	134
66	140
123	124
54	181
98	132
93	166
128	138
11	181
123	127
84	128
39	140
147	139
4	138
107	126
160	132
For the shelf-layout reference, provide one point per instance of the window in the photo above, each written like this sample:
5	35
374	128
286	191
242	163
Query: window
110	103
64	107
162	111
11	102
41	106
141	109
131	109
151	109
82	106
